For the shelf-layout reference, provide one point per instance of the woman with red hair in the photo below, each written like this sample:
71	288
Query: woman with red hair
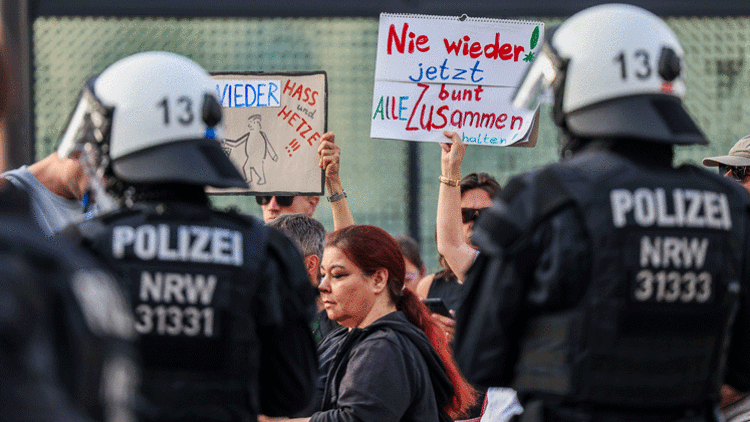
390	361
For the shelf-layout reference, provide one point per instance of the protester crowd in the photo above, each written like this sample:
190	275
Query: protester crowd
128	297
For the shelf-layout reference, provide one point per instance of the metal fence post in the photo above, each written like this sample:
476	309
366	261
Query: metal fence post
16	36
413	191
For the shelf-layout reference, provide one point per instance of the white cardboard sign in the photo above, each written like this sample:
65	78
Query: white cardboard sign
437	72
273	124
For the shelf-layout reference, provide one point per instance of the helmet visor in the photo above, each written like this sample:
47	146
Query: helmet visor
72	139
89	122
537	80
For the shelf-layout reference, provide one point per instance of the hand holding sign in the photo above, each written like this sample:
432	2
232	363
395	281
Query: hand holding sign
452	155
329	155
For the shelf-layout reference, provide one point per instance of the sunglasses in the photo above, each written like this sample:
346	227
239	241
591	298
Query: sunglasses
283	201
470	214
737	173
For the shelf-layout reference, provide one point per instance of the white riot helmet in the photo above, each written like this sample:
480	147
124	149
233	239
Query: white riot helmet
154	118
616	71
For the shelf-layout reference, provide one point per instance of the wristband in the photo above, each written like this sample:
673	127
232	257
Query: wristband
450	182
337	196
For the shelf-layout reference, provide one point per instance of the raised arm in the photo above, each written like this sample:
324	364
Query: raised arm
329	155
450	240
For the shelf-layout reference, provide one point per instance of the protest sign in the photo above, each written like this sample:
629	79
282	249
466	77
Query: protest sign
272	127
437	72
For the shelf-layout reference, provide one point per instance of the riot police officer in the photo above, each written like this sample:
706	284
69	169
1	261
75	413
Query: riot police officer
221	302
66	330
609	284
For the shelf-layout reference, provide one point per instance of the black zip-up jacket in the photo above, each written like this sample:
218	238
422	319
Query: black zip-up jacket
388	371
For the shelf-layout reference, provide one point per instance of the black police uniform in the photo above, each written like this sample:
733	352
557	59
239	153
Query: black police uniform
66	332
222	304
606	291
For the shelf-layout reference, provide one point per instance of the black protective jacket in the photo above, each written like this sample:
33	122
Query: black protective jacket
66	331
223	307
607	290
386	372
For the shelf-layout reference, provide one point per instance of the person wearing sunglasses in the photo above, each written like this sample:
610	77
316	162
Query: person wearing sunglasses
735	405
736	164
460	201
274	206
329	157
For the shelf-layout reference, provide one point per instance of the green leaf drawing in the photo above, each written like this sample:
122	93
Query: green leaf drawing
534	37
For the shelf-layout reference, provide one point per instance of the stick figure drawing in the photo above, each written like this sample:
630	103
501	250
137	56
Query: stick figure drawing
256	149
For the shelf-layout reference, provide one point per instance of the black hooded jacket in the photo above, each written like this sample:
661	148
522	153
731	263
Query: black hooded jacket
388	371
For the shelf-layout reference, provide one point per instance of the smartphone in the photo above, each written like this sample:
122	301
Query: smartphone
437	306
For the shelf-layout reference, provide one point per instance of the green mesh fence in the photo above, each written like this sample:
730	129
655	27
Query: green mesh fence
69	50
